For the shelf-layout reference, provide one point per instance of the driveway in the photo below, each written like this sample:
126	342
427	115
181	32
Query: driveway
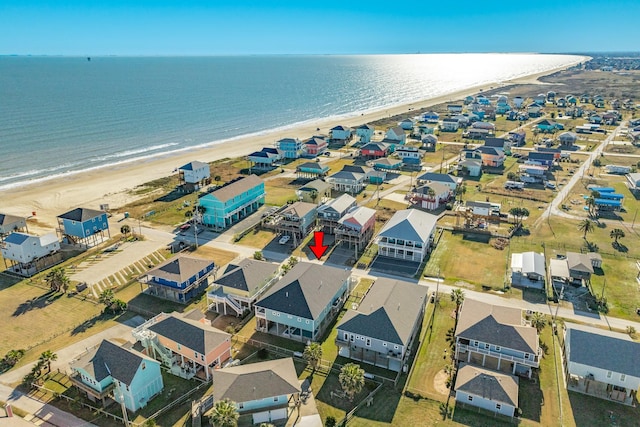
395	266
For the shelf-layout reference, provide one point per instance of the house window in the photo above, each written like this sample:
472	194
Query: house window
384	344
143	366
470	398
346	336
352	338
526	356
275	399
498	406
240	405
498	348
274	313
202	357
179	347
299	319
195	353
368	342
609	374
623	377
486	346
396	347
307	322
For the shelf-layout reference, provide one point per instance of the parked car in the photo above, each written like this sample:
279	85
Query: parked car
284	239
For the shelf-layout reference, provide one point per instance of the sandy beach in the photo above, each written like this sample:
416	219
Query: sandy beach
111	184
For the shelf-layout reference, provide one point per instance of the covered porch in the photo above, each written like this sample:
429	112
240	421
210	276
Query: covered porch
589	386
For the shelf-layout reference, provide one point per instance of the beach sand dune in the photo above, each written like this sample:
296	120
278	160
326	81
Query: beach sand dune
112	185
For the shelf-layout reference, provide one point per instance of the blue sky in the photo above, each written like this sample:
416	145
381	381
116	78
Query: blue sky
328	27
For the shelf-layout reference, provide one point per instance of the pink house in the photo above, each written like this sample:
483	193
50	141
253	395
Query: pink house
315	146
186	342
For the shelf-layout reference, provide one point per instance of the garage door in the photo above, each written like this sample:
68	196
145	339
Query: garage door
279	414
261	417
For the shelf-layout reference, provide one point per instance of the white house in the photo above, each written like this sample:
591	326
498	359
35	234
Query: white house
408	235
633	181
25	248
194	173
601	363
618	169
449	125
528	269
494	391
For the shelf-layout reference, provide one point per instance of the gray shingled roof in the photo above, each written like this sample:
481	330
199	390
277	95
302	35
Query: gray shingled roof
190	333
80	214
179	269
491	385
339	205
346	175
305	290
317	185
109	359
248	275
501	326
388	312
579	262
410	224
606	350
235	188
256	381
437	187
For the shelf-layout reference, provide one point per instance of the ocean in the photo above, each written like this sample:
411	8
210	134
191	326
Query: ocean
62	115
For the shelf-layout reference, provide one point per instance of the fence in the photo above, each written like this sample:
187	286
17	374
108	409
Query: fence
366	401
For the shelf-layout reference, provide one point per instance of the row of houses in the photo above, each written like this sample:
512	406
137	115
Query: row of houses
26	254
529	269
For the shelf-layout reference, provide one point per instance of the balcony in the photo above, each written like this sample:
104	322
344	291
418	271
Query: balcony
535	363
76	380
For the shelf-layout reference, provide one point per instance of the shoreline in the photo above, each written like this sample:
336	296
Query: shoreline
110	184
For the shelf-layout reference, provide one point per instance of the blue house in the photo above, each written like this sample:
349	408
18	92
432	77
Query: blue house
341	134
365	132
122	374
263	389
410	155
232	202
311	170
291	148
302	305
82	225
266	158
549	126
180	278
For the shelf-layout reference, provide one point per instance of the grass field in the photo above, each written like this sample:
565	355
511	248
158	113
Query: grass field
483	264
279	191
257	238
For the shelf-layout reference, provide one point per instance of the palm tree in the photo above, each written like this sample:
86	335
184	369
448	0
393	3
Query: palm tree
57	279
125	229
351	379
106	297
586	226
591	204
460	191
457	296
538	321
13	356
224	414
313	354
616	234
47	357
519	213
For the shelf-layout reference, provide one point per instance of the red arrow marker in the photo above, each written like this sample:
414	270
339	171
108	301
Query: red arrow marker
317	248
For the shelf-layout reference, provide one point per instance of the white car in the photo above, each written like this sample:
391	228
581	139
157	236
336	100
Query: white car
284	239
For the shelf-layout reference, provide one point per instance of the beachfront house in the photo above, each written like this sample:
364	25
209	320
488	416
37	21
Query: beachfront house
193	176
291	148
487	389
315	146
266	390
381	329
340	134
26	254
232	202
11	223
180	278
351	179
330	212
186	343
311	170
601	363
408	235
365	133
430	117
304	302
496	337
396	134
356	228
239	285
430	196
84	226
316	191
295	220
112	371
454	108
528	270
266	158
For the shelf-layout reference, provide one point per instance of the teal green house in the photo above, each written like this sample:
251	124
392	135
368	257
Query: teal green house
119	373
266	390
304	302
232	202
